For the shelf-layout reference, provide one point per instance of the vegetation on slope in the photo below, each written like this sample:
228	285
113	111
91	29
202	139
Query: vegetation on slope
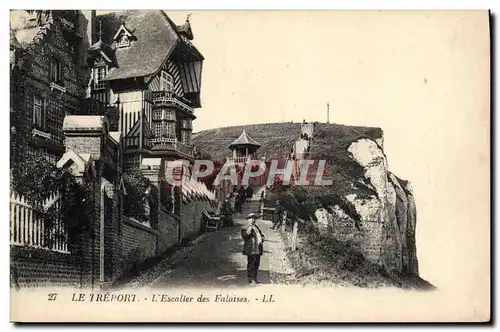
330	143
276	139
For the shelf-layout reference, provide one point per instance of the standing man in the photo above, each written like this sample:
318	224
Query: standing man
253	247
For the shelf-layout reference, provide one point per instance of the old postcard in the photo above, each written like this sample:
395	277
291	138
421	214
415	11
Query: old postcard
249	166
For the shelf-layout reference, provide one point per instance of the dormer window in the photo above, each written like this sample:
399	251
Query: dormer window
100	74
166	82
123	41
123	37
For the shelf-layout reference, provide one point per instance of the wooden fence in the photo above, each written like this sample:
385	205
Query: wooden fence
291	239
27	226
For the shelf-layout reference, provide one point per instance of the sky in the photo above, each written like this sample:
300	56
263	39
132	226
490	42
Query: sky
423	77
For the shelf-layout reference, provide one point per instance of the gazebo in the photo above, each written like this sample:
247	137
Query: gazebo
243	148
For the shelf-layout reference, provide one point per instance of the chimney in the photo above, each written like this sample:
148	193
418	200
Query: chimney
89	27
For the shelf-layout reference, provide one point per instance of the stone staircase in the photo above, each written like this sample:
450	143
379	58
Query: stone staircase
250	206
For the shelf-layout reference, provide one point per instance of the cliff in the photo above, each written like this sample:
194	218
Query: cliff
387	218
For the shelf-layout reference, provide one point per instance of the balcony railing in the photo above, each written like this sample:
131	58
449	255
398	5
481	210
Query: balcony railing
57	86
67	23
183	148
160	143
165	143
238	160
168	97
40	133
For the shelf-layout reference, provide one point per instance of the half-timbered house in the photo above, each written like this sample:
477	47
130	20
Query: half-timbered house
147	69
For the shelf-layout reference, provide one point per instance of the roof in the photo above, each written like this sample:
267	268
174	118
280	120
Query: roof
116	136
244	140
156	39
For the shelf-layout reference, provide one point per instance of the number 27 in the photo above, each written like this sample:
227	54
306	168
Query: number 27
52	296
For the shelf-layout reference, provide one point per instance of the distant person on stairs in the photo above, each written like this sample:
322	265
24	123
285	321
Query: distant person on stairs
243	195
253	247
249	192
278	215
237	202
226	213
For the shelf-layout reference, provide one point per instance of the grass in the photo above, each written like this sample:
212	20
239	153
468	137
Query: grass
276	139
330	143
322	260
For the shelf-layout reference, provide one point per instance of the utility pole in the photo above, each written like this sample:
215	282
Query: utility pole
327	112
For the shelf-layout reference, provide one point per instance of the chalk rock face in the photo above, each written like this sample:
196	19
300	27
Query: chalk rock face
324	218
339	225
388	220
368	208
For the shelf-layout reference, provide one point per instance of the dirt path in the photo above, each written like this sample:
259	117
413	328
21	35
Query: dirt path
216	260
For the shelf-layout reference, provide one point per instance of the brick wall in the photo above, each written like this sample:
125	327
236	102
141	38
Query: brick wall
35	79
138	243
84	144
168	228
39	268
191	218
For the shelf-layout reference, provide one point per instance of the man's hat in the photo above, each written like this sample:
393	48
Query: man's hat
252	216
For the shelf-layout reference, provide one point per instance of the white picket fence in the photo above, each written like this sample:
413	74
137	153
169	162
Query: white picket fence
27	225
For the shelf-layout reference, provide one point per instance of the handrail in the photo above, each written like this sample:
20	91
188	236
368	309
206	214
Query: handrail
168	97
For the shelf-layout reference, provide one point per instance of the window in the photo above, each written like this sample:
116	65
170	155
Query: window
124	41
100	74
166	82
55	71
38	112
186	137
158	129
168	115
186	124
163	115
170	130
164	129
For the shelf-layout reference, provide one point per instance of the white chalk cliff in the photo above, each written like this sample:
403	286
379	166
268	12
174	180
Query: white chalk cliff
385	233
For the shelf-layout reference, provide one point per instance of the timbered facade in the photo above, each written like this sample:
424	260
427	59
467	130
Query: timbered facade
147	69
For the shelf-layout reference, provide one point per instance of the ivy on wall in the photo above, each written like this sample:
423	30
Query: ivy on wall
37	179
138	196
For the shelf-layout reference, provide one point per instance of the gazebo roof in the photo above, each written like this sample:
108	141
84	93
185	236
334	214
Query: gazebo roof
244	141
